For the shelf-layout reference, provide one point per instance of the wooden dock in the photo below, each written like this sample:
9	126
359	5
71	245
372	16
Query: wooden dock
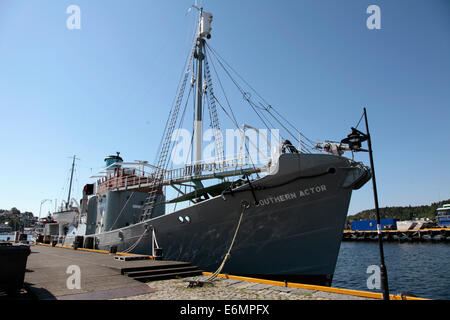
51	274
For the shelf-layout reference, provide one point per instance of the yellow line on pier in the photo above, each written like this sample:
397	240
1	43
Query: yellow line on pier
400	230
357	293
88	250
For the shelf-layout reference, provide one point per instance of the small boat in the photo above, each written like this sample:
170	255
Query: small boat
69	209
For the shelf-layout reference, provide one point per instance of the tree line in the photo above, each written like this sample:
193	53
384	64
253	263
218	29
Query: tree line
401	213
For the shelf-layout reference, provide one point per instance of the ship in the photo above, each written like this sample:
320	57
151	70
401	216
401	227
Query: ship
64	216
443	215
281	218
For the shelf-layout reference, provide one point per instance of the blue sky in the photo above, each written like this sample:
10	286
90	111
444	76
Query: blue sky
108	86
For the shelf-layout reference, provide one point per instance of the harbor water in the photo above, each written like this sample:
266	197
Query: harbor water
4	237
421	269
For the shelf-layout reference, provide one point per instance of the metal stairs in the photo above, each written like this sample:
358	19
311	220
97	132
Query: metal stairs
162	272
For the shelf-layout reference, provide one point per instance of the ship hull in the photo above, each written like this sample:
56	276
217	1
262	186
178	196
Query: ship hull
291	230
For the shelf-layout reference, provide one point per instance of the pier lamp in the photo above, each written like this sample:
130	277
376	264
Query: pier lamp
354	141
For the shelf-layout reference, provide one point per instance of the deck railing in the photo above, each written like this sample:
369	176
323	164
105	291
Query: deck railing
197	171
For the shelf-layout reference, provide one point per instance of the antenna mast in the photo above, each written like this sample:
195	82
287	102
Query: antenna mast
70	186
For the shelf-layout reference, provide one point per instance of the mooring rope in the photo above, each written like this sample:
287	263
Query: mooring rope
134	245
245	205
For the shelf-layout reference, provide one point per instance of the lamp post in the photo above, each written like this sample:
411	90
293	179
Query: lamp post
354	140
40	208
384	278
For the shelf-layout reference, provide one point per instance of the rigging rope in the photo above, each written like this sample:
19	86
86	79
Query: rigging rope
213	112
223	90
121	211
166	144
233	120
362	116
308	145
242	132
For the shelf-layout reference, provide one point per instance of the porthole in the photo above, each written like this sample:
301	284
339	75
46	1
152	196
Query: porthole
181	219
188	220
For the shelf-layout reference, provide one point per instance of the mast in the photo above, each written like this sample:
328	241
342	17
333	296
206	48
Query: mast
198	123
204	31
70	186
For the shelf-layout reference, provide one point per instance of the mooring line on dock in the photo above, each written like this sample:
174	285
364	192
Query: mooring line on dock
244	205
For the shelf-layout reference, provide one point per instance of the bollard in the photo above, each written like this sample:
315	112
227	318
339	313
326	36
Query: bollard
79	240
89	243
158	254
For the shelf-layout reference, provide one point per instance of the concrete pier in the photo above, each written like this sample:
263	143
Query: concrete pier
50	275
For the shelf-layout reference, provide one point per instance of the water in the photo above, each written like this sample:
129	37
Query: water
422	269
4	237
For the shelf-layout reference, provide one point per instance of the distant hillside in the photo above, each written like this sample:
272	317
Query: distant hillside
401	213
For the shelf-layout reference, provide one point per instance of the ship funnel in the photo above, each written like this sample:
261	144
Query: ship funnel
109	160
